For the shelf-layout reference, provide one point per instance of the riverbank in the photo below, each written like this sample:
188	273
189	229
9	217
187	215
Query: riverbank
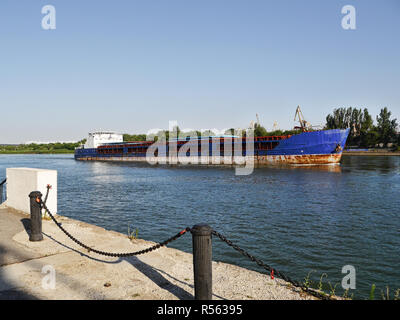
371	153
163	274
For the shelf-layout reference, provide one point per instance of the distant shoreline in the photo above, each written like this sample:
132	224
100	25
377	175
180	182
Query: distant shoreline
38	152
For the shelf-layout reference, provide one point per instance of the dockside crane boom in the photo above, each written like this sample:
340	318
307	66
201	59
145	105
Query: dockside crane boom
304	125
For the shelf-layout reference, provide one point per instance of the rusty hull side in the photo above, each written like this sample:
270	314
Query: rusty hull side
305	159
313	159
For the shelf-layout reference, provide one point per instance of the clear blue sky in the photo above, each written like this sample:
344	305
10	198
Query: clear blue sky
131	66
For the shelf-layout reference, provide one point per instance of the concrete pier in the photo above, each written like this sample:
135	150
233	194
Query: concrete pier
22	181
57	268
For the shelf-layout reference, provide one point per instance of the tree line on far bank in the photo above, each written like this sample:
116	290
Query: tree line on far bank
57	147
363	131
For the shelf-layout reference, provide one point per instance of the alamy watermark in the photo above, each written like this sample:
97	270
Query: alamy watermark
349	280
49	280
349	20
49	20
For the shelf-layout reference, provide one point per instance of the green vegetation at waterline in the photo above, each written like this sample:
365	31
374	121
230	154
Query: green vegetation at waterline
363	131
133	235
43	148
332	291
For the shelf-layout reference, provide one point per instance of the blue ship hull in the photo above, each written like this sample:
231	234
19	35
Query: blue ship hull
316	147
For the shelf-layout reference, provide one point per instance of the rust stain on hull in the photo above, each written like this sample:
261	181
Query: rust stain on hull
306	159
313	159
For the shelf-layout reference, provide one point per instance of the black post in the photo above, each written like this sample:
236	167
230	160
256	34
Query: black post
2	190
36	217
202	254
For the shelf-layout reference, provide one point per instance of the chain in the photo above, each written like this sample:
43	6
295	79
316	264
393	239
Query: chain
110	254
271	270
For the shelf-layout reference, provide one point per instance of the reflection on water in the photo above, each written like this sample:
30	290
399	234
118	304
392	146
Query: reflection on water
380	164
297	219
317	167
106	178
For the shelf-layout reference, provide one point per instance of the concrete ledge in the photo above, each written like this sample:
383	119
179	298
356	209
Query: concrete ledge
22	181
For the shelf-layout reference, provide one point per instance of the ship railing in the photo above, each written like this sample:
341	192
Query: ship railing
271	138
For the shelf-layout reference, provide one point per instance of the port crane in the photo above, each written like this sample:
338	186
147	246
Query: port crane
304	125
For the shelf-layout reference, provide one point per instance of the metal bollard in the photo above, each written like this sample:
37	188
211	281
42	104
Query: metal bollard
36	217
2	190
202	255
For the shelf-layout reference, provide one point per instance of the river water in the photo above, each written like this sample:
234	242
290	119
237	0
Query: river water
300	220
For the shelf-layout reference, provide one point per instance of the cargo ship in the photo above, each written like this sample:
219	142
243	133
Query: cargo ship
305	148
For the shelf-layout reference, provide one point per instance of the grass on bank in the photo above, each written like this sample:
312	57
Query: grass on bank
327	289
43	148
133	234
58	151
